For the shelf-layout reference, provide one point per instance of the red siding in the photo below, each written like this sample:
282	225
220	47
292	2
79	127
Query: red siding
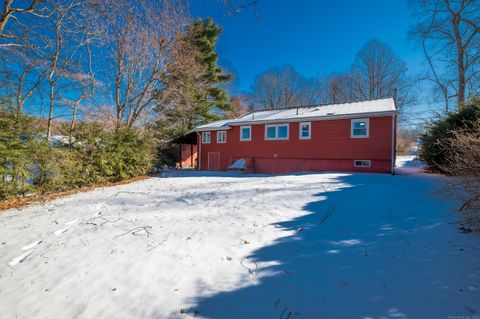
330	148
188	156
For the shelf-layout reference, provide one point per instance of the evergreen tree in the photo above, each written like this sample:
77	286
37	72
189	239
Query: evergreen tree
203	35
193	94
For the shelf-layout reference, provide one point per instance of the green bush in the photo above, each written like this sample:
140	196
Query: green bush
111	156
168	154
18	146
29	164
442	129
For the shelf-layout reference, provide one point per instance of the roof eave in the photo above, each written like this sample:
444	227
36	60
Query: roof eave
301	119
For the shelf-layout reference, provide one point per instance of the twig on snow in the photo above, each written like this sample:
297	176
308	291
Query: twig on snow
406	241
135	231
328	213
91	221
133	193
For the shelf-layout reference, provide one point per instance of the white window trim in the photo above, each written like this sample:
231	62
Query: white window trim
309	131
219	133
356	121
276	138
209	134
241	137
366	161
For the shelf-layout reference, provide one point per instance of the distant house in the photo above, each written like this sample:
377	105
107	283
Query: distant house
354	137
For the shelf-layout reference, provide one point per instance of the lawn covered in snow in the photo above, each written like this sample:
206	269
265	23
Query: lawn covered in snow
227	245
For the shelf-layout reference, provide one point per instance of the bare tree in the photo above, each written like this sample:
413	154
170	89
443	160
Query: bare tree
277	88
378	73
13	29
62	52
338	89
238	108
141	33
20	49
22	73
449	31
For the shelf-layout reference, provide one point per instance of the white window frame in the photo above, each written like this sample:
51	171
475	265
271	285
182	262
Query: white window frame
352	124
220	133
367	162
276	138
204	135
241	135
309	131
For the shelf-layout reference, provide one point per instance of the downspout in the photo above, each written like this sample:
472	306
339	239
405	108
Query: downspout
199	142
393	144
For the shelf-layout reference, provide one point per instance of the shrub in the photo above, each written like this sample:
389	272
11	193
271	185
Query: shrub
168	154
18	146
30	164
112	156
442	129
463	162
132	153
406	141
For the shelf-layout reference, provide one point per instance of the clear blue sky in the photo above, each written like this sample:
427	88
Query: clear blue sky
316	37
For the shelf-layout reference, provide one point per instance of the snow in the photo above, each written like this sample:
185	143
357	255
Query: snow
380	106
409	165
231	245
238	164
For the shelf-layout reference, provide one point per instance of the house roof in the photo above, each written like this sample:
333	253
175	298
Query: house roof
318	112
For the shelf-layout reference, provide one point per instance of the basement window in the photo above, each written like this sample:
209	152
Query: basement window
362	163
222	137
206	137
360	128
276	132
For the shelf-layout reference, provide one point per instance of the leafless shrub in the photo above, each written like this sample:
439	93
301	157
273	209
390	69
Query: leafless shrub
464	164
406	141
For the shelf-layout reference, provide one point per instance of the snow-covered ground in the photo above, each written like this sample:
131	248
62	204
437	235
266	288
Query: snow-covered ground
227	245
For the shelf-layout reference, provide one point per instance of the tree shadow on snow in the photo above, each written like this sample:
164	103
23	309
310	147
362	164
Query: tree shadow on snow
381	248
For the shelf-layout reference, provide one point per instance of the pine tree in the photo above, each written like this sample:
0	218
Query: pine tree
194	94
203	35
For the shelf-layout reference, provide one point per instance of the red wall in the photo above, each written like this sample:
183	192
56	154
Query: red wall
330	148
188	155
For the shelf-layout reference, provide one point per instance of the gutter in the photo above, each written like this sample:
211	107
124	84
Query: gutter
393	144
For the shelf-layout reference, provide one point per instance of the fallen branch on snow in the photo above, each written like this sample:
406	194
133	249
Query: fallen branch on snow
136	231
91	221
328	213
133	193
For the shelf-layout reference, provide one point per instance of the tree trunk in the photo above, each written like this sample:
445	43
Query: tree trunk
72	123
50	114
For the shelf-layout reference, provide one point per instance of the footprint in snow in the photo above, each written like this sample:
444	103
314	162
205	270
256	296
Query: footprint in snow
31	245
58	232
20	259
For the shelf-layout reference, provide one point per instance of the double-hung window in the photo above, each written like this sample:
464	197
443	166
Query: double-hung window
206	137
305	132
221	137
360	128
276	132
245	133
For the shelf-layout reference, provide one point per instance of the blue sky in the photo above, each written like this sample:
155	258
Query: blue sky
316	37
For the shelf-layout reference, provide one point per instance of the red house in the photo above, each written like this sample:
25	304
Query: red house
354	137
